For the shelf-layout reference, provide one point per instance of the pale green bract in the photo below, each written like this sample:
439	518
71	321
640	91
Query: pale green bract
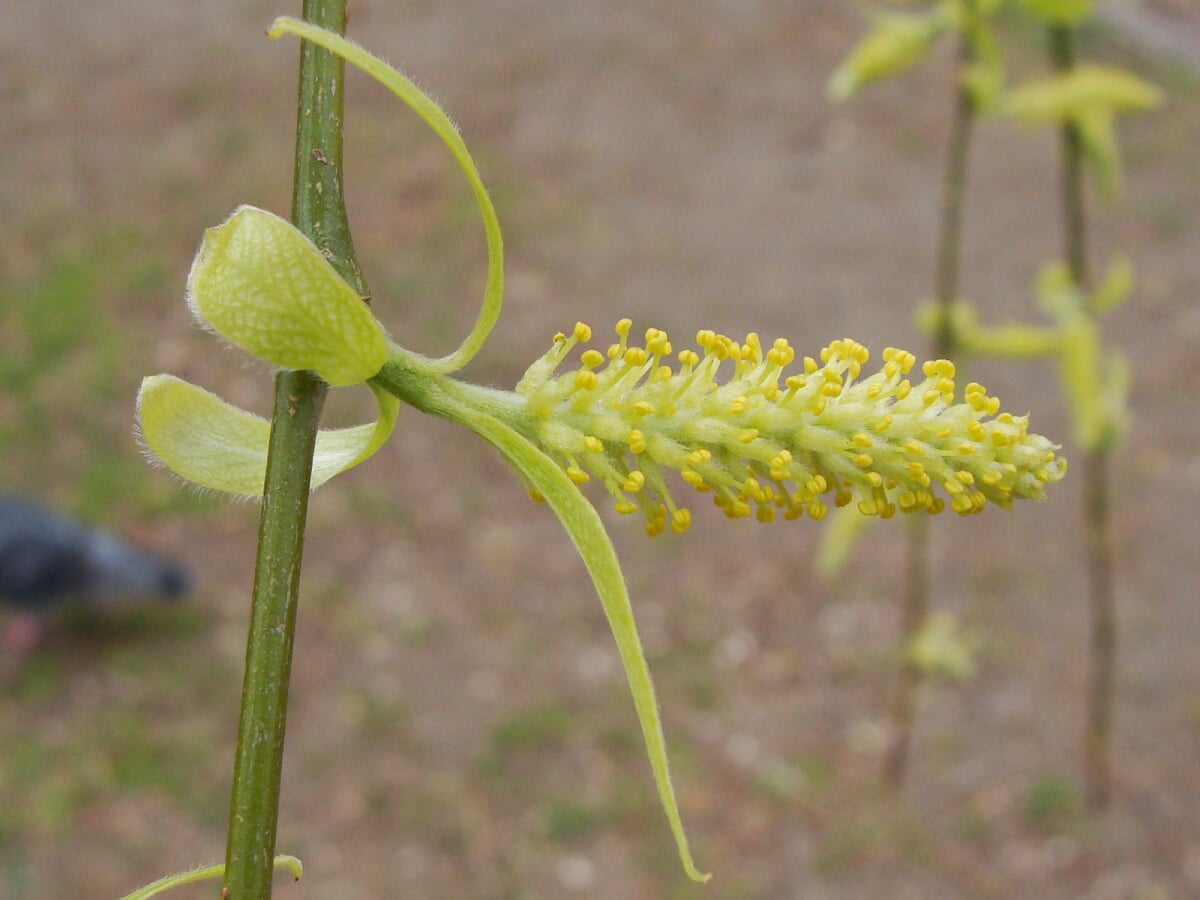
261	284
218	446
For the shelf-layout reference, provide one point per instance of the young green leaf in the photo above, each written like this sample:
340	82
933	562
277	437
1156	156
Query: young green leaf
895	43
1082	91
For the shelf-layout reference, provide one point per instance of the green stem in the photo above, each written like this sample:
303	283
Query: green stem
1062	55
1102	605
914	608
319	212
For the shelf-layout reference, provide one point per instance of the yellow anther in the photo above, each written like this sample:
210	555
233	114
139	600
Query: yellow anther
864	460
765	514
831	389
810	365
938	368
643	408
634	482
636	441
930	397
883	423
875	479
582	332
622	327
689	358
748	436
585	380
577	475
867	507
694	478
816	510
635	356
862	440
593	443
699	457
965	477
536	496
591	358
752	490
681	520
961	504
738	405
625	507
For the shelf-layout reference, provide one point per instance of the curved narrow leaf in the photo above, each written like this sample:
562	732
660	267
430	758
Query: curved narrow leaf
179	879
587	533
261	284
216	445
437	120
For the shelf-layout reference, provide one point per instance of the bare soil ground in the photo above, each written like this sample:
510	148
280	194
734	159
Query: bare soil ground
459	724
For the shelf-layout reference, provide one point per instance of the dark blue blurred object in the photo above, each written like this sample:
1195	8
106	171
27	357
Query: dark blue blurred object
48	560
